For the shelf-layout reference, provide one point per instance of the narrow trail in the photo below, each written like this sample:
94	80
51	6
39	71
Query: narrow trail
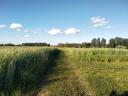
86	86
65	79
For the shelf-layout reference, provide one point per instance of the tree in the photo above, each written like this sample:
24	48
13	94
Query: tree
9	44
93	42
103	42
86	45
112	43
35	44
126	43
98	42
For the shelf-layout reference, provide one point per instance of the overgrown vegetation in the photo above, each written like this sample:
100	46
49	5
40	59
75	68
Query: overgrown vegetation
104	69
22	69
116	42
36	71
99	43
62	80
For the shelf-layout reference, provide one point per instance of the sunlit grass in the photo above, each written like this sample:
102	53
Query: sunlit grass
105	69
22	69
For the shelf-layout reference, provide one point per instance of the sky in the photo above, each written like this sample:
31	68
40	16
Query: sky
61	21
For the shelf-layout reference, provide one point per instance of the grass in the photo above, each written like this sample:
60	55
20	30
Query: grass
104	69
36	71
62	80
22	69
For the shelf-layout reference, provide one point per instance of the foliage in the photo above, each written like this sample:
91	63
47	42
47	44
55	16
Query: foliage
22	69
98	43
104	69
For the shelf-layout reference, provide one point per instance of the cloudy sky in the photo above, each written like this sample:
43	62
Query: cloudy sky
55	21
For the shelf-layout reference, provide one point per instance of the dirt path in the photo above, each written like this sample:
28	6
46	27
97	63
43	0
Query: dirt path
65	79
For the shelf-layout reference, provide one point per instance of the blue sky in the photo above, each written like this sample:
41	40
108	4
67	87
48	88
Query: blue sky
55	21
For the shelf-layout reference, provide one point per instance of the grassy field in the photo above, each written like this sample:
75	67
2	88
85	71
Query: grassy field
106	70
36	71
22	69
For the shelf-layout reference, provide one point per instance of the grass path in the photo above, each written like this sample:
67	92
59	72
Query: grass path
80	75
65	79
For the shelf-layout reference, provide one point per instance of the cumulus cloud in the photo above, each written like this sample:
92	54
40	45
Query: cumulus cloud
2	26
99	21
27	36
16	26
54	31
18	30
70	31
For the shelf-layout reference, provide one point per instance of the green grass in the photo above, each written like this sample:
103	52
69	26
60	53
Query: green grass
22	69
104	69
36	71
62	80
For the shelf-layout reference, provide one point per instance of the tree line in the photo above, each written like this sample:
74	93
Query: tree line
116	42
26	44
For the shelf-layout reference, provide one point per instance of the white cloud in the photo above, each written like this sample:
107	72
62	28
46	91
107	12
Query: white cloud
70	31
2	26
54	31
27	36
18	30
16	26
99	21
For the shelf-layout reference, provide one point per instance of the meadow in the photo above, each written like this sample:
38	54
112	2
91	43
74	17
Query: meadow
38	71
22	69
106	70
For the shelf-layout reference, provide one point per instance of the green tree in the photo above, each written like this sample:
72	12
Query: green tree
112	43
98	42
93	42
103	42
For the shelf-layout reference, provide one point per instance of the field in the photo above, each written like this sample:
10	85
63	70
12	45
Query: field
22	69
37	71
105	70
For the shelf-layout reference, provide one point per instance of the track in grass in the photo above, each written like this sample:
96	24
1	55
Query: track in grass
63	72
63	80
88	72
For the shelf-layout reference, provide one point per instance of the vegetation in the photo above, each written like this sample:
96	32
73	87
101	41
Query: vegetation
99	43
35	44
105	70
88	72
26	44
117	42
23	69
62	79
37	71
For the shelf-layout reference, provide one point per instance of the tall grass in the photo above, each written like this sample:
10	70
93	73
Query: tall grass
22	69
99	55
104	69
